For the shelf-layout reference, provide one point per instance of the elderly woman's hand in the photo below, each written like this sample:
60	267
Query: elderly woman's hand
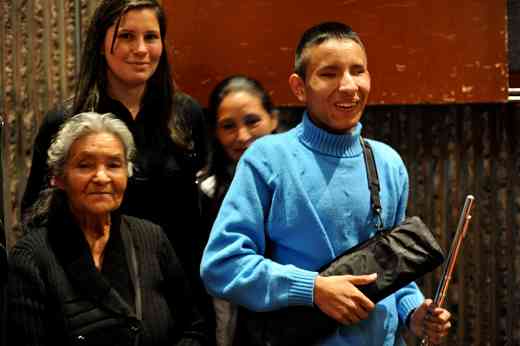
430	321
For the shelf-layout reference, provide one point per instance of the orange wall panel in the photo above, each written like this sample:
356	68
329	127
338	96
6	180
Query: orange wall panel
419	52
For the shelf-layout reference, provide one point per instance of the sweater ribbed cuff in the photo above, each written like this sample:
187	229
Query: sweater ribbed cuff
408	304
301	289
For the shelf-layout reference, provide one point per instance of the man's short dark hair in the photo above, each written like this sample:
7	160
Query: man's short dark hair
318	34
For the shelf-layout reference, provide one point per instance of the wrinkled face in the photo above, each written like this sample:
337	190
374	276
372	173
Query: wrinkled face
137	49
241	119
95	175
337	84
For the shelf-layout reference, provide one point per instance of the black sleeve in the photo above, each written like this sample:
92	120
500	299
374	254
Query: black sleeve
27	314
38	175
2	231
3	296
192	326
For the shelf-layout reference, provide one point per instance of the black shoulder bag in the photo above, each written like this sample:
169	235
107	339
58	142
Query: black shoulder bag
398	255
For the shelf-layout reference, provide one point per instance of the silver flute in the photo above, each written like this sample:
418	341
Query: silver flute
449	265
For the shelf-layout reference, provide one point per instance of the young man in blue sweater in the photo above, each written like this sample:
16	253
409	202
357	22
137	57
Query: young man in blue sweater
304	195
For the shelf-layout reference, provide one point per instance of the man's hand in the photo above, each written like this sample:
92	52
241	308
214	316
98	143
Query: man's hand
338	297
428	320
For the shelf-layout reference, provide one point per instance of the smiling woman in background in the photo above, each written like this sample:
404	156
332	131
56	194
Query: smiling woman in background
240	111
86	274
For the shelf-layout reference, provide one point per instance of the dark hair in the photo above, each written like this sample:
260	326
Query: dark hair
92	79
318	34
189	117
184	108
218	161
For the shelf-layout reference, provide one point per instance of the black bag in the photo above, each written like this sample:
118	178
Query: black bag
399	256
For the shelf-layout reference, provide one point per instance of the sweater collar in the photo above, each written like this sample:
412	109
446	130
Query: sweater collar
345	145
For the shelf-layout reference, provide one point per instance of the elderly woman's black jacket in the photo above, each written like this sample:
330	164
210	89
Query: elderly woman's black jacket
57	296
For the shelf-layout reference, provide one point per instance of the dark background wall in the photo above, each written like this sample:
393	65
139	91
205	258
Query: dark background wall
451	148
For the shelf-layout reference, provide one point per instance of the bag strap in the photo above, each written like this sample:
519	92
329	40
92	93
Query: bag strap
373	181
131	258
134	270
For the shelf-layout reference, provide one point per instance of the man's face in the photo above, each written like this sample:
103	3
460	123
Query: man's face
337	84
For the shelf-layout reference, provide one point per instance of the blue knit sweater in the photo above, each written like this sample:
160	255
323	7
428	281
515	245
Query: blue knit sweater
306	190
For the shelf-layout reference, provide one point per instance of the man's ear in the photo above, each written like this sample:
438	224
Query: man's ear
297	85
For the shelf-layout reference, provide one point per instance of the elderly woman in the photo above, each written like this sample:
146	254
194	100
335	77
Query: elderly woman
84	273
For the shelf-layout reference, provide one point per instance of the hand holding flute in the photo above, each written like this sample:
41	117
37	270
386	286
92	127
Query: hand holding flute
434	318
430	321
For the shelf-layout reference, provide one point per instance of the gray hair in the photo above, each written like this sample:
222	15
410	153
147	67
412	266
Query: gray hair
78	127
73	129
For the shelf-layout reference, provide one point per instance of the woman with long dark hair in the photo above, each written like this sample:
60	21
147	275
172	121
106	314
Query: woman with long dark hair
125	71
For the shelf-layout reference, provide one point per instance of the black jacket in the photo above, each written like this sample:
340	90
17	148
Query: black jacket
57	296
